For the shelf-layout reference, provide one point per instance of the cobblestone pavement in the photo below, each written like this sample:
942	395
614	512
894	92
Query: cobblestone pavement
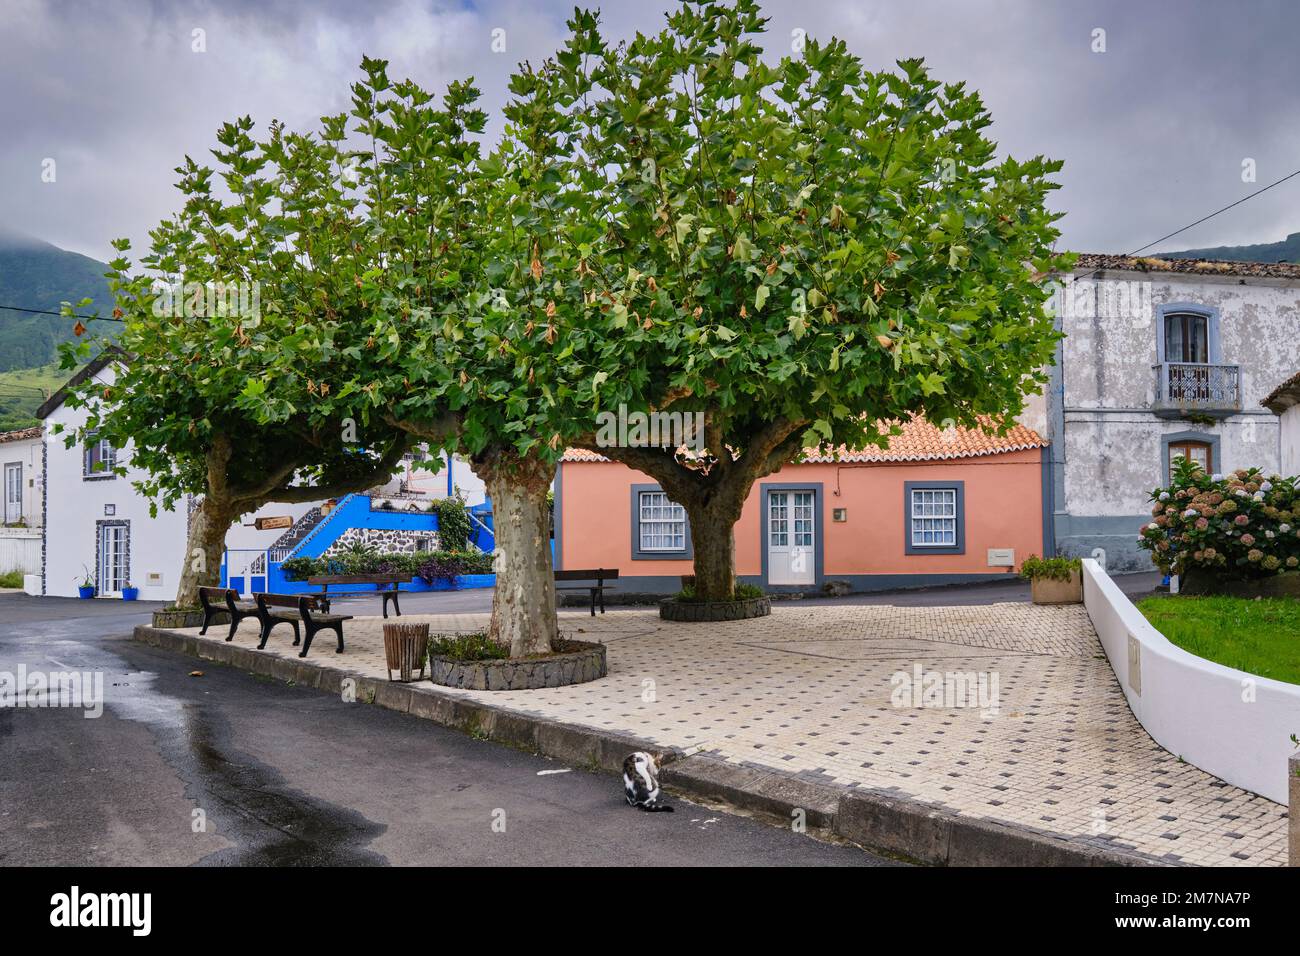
812	691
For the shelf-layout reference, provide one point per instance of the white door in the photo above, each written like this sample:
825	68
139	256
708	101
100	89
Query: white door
791	558
13	492
112	559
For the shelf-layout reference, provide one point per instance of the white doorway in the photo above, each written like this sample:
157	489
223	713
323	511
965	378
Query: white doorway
791	537
112	559
13	492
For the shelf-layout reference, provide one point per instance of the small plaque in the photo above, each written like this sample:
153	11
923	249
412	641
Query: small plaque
270	524
1002	557
1135	664
840	514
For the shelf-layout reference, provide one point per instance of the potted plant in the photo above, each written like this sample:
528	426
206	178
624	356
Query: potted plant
86	589
1053	580
129	593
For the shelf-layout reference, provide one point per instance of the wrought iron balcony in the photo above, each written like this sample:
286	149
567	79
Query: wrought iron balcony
1185	388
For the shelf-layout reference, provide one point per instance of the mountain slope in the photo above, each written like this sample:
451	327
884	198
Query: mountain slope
38	275
1288	250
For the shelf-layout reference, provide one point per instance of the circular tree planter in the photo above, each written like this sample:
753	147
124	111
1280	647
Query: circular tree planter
580	662
173	618
674	610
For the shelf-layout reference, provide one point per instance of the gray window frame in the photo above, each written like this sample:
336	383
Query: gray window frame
104	474
686	553
1211	314
960	536
1176	438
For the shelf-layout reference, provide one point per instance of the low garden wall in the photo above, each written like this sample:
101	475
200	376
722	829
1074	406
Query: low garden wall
1234	725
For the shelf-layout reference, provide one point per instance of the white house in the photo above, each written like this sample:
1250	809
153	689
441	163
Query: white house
22	474
97	525
1284	401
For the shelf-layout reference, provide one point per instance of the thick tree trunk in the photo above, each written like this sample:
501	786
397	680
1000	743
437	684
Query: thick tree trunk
714	541
204	548
523	603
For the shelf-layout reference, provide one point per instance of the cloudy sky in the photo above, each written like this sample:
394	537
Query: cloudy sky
1153	131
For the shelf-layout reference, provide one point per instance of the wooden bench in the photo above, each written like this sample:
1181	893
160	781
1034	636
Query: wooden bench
224	601
304	607
350	582
597	590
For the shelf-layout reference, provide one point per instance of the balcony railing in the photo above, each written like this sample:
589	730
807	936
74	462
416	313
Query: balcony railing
1184	388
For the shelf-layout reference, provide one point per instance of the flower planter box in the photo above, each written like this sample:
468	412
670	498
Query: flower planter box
130	594
673	610
1054	591
85	593
587	663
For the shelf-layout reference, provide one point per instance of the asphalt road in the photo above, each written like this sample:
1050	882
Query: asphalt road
231	769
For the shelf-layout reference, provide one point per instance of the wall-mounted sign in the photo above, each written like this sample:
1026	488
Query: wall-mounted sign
110	510
269	524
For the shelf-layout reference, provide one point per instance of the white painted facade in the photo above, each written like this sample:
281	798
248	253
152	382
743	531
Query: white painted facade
1289	423
99	524
21	477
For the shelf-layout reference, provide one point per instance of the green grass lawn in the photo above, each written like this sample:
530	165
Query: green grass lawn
1260	637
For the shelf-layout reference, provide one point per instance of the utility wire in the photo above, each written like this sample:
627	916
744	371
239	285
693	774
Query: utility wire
1257	192
88	318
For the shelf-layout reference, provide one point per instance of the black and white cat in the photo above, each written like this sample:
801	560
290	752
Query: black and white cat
641	782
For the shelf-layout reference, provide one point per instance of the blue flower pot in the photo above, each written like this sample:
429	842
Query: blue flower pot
130	594
85	593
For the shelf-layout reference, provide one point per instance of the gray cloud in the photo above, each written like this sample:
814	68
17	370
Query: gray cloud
1153	131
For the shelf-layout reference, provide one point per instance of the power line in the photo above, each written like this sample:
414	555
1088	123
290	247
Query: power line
88	318
1257	192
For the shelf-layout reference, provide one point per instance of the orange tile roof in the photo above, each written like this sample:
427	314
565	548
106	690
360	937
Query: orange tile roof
918	440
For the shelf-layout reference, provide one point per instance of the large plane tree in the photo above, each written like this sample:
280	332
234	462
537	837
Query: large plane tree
799	249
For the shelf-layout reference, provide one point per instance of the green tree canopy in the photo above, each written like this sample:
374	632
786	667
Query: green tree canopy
799	249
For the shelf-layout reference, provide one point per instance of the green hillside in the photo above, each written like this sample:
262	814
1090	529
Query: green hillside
38	275
1288	250
23	390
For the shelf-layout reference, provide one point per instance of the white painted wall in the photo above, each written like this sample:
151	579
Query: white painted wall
74	503
27	453
1194	708
1290	424
20	550
434	485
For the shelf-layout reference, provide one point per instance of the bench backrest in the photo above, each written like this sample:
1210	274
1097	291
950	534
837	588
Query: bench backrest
225	596
588	574
298	601
357	579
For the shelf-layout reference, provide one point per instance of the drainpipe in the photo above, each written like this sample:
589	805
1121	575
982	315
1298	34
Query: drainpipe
450	486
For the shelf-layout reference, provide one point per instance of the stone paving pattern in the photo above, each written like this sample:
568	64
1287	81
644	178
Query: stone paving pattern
808	691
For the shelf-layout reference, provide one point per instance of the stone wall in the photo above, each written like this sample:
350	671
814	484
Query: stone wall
383	541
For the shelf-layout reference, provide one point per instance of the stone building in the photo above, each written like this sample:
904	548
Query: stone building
1161	359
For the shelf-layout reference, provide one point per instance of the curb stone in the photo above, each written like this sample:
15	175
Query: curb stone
893	825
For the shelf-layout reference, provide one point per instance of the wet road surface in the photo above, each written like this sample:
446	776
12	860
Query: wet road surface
232	769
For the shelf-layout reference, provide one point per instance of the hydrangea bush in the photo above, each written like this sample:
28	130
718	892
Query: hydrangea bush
1241	525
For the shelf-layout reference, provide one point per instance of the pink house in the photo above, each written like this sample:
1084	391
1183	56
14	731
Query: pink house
936	507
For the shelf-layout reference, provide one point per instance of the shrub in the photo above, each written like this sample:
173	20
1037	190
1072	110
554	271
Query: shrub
467	647
1242	525
1058	569
11	579
428	566
453	524
743	592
